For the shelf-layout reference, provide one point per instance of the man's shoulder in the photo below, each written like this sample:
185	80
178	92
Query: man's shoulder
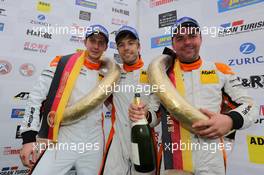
221	67
56	60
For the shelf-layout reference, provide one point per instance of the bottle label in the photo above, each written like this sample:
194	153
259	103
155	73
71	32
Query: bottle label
140	122
135	154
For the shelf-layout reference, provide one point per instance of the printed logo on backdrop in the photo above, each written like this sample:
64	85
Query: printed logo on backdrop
18	134
112	45
254	81
167	19
239	26
121	2
2	27
119	22
27	69
79	50
120	11
38	33
260	120
77	30
17	113
226	5
248	56
117	58
2	12
35	47
44	6
22	96
114	33
155	3
14	170
255	149
8	150
5	67
83	15
161	41
87	4
40	20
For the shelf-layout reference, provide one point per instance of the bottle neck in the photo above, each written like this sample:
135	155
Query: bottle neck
140	122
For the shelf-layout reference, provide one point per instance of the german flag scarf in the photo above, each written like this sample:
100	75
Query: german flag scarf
67	74
174	136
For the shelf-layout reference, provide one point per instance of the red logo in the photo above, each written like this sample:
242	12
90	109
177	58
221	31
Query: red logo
10	151
5	67
27	69
261	110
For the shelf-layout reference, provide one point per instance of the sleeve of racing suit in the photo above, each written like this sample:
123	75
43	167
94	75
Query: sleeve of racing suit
244	115
153	107
31	123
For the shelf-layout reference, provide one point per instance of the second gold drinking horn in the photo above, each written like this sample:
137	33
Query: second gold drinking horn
178	107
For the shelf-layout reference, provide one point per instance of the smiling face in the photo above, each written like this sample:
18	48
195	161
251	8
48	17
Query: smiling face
187	42
95	44
128	48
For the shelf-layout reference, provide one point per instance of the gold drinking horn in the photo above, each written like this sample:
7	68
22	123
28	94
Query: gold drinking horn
177	172
170	98
96	96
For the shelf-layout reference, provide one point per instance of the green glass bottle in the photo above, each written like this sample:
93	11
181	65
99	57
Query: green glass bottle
143	154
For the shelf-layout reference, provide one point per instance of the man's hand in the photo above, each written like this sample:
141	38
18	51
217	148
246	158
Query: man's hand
217	126
28	154
137	112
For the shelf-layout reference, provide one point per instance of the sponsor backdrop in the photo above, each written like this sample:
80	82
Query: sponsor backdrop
232	32
34	32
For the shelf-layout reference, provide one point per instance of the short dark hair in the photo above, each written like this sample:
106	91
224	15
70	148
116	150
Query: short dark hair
126	35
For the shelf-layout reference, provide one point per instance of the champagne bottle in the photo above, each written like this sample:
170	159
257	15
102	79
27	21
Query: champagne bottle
143	155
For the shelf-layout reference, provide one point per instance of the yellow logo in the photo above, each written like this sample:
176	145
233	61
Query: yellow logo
256	149
143	77
209	77
44	7
100	77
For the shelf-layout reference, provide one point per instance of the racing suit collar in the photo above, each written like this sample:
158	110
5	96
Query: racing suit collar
139	63
89	64
191	66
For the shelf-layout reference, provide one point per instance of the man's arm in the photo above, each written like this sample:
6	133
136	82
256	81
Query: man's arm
238	118
244	115
31	123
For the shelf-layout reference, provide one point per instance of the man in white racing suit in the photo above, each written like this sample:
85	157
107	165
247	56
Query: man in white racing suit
204	84
79	144
133	79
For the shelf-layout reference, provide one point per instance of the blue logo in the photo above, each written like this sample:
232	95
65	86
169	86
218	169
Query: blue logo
86	3
112	45
18	113
247	48
226	5
161	41
108	114
1	27
41	17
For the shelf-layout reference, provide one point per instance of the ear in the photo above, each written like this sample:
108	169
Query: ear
106	46
139	47
172	43
84	41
